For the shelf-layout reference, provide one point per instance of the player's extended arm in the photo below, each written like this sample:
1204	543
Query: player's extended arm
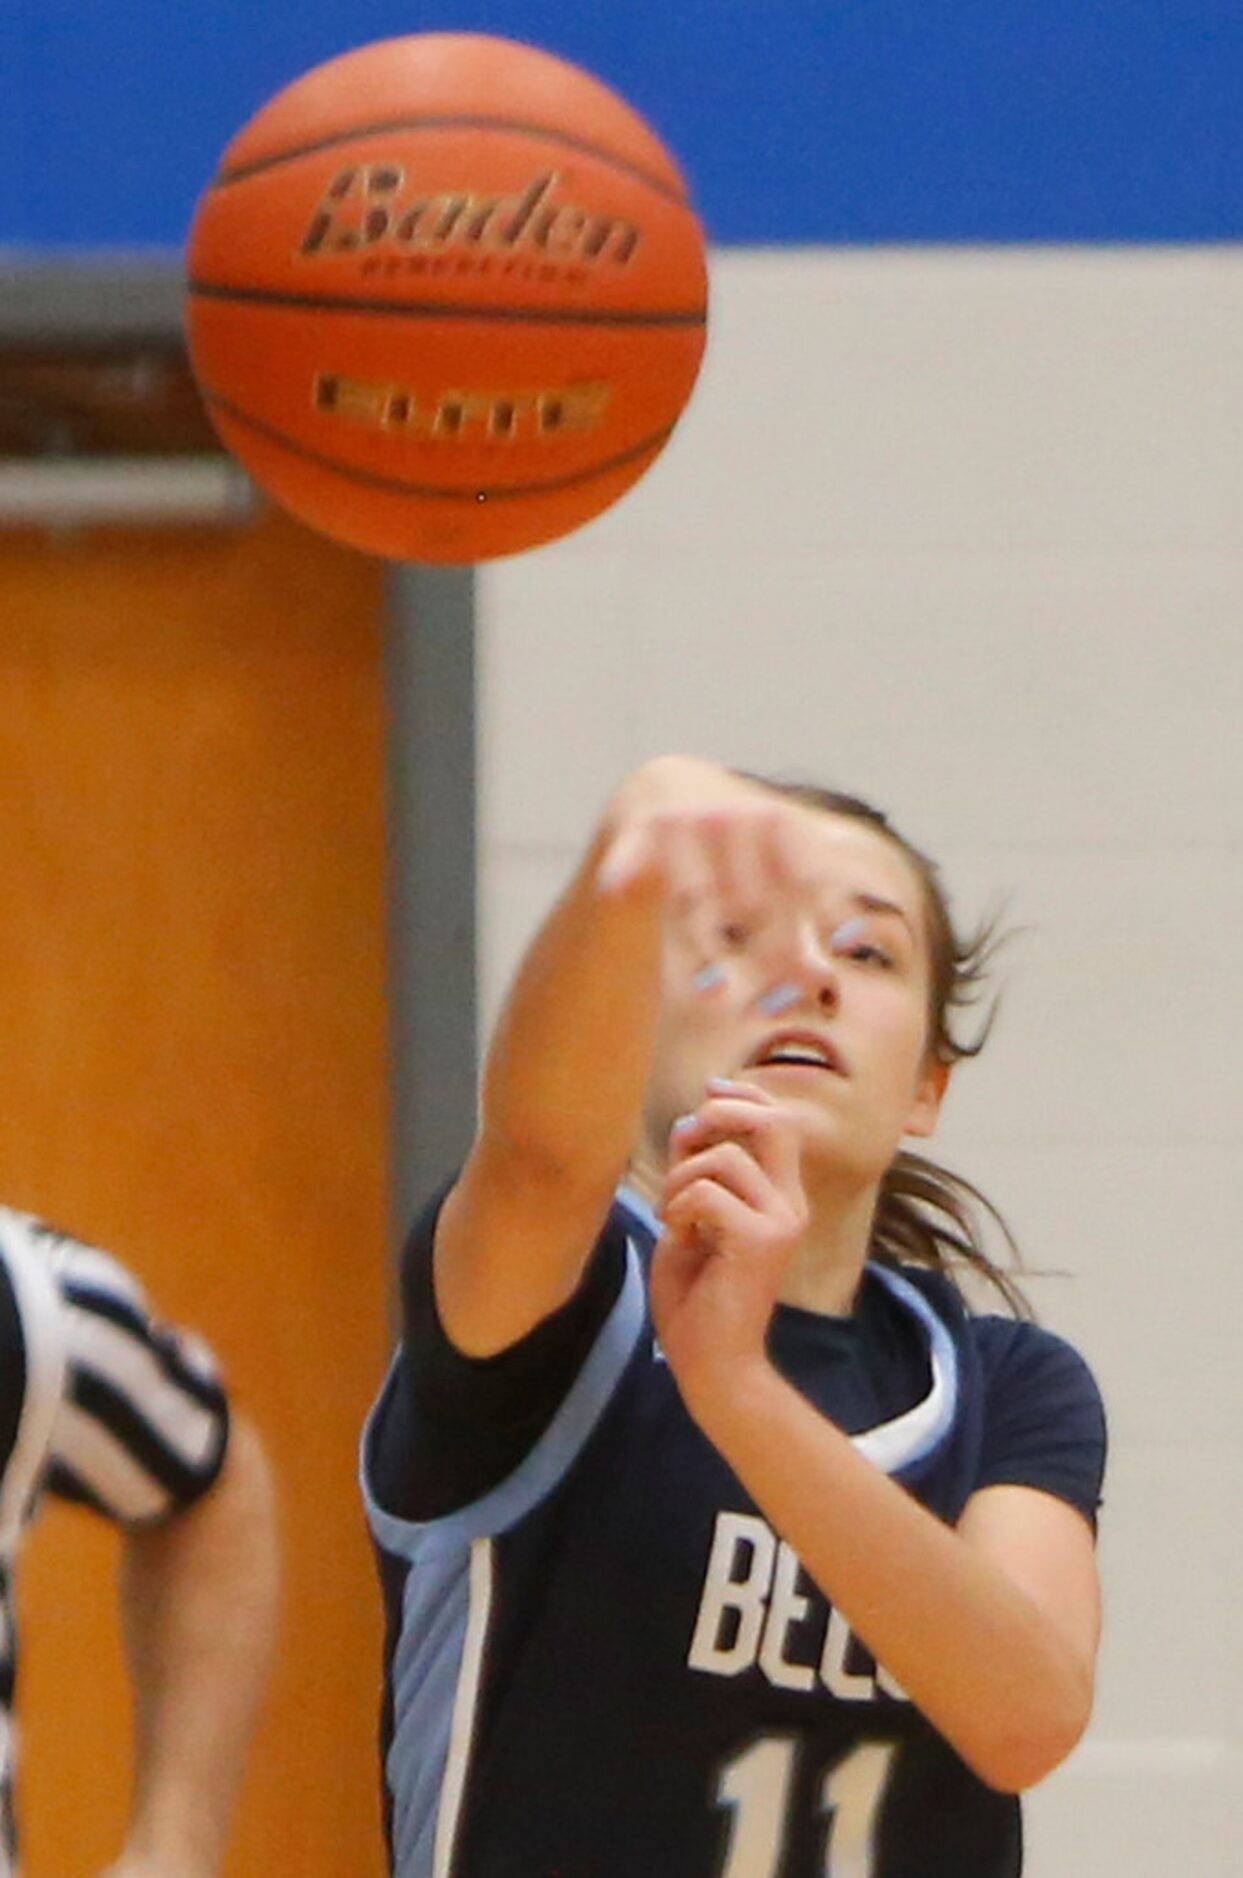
565	1075
199	1596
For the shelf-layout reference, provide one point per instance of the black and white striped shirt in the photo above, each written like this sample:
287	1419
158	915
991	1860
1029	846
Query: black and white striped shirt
99	1403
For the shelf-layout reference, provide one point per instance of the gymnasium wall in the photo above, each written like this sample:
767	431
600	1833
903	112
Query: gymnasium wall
954	519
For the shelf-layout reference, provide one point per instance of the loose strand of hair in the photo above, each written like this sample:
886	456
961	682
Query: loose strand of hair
929	1216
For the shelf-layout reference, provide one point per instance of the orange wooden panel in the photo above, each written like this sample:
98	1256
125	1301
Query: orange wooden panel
193	1060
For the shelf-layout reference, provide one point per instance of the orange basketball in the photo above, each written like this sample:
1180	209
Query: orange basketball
447	297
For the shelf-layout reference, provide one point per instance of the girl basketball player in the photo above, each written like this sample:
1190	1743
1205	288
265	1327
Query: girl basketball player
719	1538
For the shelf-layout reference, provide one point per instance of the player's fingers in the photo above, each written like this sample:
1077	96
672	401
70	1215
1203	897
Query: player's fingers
795	851
720	1120
631	853
731	1166
676	1260
742	1112
690	881
713	1214
677	1263
734	906
736	846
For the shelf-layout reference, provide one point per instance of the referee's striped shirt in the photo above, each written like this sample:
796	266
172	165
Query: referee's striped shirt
100	1404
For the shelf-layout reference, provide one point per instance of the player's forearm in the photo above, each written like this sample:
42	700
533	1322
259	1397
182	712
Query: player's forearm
199	1599
969	1647
566	1072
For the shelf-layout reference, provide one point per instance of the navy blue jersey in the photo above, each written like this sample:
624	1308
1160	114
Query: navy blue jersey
601	1660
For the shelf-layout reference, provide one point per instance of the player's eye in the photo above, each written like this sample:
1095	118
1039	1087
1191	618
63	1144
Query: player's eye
868	953
735	935
853	941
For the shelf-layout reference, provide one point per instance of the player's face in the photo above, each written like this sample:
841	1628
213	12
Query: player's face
822	1001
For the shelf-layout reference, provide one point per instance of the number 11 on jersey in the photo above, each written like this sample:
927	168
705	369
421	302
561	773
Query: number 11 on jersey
756	1786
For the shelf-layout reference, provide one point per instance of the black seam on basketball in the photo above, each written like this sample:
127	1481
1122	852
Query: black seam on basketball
445	309
396	486
452	122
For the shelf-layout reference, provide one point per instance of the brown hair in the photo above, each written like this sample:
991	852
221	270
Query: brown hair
927	1215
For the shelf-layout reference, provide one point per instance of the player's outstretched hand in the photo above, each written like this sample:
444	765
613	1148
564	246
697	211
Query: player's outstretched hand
720	851
733	1211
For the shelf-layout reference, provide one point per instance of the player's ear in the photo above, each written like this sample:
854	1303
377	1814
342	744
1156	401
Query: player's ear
929	1095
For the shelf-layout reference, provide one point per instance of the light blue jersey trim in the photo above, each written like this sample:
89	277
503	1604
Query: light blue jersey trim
445	1612
639	1209
912	1436
427	1673
549	1460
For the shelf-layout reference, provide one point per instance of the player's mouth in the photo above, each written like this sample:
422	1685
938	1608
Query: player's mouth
797	1049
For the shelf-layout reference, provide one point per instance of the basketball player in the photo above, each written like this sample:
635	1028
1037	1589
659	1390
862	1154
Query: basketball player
719	1538
102	1405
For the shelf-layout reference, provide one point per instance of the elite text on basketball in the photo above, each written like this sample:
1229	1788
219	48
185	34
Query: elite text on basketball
463	414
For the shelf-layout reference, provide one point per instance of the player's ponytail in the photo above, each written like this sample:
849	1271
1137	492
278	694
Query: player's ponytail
926	1214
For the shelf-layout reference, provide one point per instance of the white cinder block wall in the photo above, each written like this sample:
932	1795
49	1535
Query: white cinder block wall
963	531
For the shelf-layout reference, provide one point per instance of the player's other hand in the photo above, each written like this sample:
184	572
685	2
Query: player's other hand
733	1210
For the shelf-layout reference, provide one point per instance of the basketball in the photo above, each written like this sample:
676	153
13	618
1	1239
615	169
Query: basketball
446	297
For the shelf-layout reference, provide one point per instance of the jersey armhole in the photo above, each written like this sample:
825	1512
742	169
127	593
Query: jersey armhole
546	1463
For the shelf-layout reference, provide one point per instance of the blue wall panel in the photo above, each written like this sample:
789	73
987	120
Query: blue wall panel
798	121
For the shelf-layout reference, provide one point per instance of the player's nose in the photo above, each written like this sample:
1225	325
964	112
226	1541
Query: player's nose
807	971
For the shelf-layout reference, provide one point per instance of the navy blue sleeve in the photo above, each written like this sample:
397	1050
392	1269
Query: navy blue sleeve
450	1427
1044	1423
